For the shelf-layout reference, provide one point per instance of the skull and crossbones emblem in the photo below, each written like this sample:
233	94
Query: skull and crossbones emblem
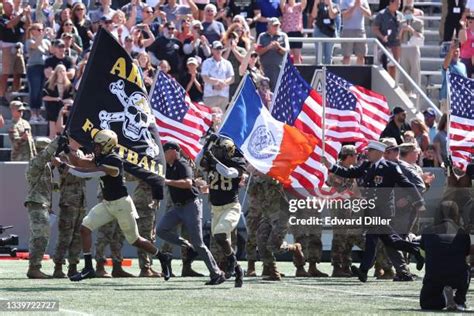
135	117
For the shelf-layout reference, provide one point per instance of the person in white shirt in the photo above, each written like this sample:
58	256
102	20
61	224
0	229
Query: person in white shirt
218	75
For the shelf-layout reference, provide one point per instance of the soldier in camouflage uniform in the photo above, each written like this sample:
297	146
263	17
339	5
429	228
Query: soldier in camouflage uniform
344	236
21	138
253	217
38	202
273	227
146	209
110	234
72	204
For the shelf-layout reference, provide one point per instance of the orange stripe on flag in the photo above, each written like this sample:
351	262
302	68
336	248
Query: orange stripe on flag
295	149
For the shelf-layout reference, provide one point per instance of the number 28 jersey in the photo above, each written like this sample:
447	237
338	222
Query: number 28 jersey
223	190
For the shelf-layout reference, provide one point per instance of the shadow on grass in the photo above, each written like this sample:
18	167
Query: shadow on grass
217	287
424	311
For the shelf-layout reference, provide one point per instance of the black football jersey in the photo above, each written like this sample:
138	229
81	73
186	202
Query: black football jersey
223	190
113	188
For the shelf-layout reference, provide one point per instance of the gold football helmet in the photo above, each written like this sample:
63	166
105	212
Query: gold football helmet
107	139
224	148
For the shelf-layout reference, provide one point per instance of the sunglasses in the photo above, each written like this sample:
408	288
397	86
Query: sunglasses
80	9
68	24
148	11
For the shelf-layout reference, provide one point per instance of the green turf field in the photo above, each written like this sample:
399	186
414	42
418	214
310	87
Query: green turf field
183	296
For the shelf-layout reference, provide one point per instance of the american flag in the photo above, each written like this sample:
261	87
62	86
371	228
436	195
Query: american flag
353	113
297	104
178	118
461	123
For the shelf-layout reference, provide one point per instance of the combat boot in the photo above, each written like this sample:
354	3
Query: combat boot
378	272
100	271
273	274
347	269
36	273
339	272
298	256
388	274
148	273
72	270
301	272
314	272
118	272
251	269
58	271
266	271
188	271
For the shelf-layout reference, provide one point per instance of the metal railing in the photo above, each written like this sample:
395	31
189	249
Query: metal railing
376	46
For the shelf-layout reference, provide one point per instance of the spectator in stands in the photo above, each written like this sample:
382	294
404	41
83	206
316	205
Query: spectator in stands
455	10
2	121
185	30
122	26
218	75
164	66
37	48
59	57
243	39
58	91
245	26
198	46
213	30
68	27
63	16
222	14
452	64
421	133
241	8
21	137
292	25
103	10
44	13
264	10
235	54
325	12
12	30
147	69
446	247
431	158
136	9
466	39
192	81
409	137
251	63
128	46
82	24
411	37
71	50
169	48
139	42
386	27
430	121
272	47
397	125
441	139
150	17
354	13
173	10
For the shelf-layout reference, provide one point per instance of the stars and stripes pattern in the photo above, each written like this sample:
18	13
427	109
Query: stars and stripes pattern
178	118
461	123
297	104
354	114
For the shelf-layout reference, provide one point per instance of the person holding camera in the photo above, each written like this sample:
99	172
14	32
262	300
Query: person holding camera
23	146
58	92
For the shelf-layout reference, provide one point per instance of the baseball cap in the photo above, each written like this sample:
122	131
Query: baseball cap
217	45
390	142
375	145
192	60
408	147
198	23
348	150
429	112
397	110
169	25
59	43
106	18
274	21
171	145
17	105
64	35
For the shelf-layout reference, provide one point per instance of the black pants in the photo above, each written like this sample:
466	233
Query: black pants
432	298
451	25
389	238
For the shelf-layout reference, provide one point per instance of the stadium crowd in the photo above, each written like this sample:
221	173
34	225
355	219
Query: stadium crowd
207	48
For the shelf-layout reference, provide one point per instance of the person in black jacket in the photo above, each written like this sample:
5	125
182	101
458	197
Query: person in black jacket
397	125
446	246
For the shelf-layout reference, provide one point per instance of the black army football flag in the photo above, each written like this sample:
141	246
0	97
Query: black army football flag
112	96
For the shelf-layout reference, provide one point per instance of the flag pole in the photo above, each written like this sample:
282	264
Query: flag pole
448	119
323	125
277	86
232	101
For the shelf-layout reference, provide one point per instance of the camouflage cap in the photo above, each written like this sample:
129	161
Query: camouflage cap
41	142
348	150
17	105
